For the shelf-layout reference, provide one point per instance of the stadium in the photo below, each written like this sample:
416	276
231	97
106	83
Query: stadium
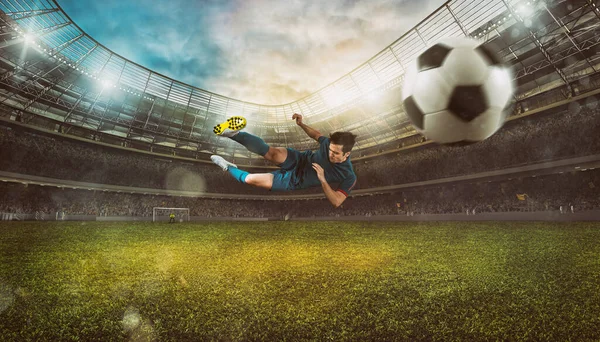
496	240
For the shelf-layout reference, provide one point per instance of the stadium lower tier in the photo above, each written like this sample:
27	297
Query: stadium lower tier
565	134
577	189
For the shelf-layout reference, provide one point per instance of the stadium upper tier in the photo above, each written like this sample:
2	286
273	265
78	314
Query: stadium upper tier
51	70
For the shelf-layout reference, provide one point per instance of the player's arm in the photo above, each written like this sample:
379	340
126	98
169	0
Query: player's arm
311	132
335	197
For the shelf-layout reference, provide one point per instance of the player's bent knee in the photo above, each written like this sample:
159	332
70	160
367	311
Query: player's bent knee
276	155
270	154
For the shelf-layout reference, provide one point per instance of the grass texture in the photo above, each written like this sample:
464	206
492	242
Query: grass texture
292	281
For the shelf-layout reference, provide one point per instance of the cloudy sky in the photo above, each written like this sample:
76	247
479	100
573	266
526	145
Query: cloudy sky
263	51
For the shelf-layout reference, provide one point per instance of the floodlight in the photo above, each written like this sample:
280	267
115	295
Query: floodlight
106	83
525	10
374	96
28	38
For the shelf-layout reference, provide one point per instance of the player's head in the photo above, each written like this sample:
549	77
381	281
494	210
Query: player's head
340	145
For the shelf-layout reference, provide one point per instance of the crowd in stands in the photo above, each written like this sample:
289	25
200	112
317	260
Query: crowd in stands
33	153
526	141
570	133
565	134
555	192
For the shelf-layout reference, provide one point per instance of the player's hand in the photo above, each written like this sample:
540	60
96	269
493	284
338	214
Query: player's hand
320	172
298	118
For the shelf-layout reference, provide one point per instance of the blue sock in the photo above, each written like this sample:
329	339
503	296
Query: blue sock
252	143
239	175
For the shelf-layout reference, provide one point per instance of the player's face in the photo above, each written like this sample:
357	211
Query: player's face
336	155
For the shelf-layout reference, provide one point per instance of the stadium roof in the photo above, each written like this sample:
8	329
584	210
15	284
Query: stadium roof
51	68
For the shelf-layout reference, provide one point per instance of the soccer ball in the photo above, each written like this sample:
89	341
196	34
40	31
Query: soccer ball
456	91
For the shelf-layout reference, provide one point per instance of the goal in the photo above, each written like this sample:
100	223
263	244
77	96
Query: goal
160	214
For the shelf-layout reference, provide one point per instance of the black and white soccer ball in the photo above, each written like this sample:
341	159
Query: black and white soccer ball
456	91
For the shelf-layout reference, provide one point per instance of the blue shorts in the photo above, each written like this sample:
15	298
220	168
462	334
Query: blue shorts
282	180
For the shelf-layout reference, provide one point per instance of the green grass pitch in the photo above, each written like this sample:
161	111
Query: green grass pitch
278	281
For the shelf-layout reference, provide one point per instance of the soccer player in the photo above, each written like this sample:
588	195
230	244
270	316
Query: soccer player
299	170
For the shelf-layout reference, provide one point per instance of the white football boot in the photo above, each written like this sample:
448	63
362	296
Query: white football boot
221	162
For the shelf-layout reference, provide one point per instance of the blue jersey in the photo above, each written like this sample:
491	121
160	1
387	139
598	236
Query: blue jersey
297	172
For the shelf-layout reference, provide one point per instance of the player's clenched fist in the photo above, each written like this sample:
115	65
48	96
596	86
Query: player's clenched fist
298	118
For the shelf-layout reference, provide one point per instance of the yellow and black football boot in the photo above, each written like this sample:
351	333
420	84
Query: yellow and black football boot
230	127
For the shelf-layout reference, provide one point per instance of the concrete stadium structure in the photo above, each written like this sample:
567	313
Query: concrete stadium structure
72	84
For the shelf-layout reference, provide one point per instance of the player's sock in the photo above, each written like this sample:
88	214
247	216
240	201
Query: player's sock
239	175
252	143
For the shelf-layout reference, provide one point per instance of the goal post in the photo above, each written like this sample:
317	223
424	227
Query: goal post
161	214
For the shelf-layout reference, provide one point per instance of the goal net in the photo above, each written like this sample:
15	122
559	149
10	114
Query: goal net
160	214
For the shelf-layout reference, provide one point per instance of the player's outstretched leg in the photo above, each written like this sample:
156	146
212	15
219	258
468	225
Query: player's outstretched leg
239	175
231	129
263	180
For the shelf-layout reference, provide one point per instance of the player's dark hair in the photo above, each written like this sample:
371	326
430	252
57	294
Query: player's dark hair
346	139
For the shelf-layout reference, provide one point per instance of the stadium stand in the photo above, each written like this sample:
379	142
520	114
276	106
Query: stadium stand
152	132
578	189
550	137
